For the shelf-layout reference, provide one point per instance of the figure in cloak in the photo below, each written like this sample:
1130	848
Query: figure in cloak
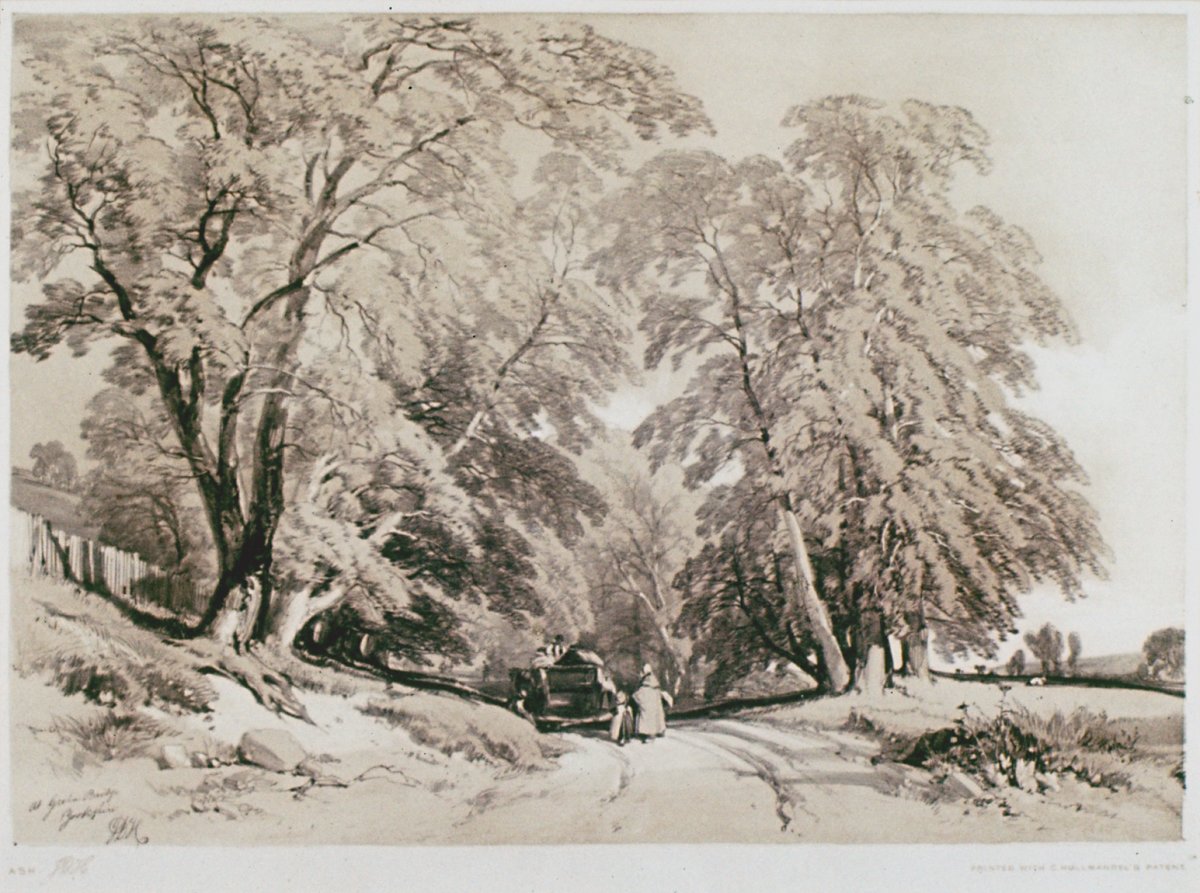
649	700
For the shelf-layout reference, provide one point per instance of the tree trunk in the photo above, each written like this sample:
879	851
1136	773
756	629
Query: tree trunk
493	394
809	602
659	627
871	673
813	607
292	610
224	627
232	625
916	653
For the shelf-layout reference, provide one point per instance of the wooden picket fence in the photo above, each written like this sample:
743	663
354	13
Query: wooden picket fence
43	550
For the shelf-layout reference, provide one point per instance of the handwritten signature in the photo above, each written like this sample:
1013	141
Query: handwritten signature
72	866
125	828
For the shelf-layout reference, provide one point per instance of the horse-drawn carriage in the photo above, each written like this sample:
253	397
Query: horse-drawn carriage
574	688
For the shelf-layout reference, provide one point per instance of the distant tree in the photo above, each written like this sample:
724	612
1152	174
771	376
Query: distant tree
54	465
140	492
631	560
1047	646
1162	654
1016	663
1074	649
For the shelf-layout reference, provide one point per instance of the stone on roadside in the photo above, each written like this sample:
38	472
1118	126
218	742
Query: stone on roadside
174	756
1026	777
993	777
960	785
272	749
1047	782
199	760
314	770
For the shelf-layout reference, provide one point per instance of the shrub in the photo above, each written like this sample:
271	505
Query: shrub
98	683
1007	748
175	688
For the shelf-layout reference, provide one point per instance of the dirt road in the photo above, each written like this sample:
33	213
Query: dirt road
704	781
745	780
756	778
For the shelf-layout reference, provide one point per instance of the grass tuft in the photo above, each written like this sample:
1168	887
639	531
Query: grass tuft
110	735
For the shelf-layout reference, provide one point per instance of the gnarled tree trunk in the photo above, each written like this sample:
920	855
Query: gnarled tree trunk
293	610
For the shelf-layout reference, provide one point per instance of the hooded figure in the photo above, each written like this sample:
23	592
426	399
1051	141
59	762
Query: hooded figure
649	697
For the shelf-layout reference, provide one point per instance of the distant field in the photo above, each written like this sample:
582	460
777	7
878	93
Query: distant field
1157	718
61	509
1109	665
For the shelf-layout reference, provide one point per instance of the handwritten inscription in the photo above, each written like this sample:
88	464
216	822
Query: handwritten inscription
68	809
88	806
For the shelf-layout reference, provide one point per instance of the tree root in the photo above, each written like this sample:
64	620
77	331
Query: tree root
269	687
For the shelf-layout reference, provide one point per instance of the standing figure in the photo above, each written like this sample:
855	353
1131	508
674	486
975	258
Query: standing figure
651	720
547	656
620	729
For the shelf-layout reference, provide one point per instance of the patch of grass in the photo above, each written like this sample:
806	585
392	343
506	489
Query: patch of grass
114	678
1079	730
450	726
1153	731
110	735
87	648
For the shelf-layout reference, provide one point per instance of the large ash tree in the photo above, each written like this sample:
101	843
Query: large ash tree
855	343
218	196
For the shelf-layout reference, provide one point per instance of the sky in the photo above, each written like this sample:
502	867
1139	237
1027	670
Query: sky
1087	119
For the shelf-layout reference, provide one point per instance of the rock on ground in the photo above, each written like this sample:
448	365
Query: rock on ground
959	784
174	756
272	749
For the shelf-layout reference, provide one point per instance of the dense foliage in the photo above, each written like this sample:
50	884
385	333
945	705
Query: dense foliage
364	288
305	245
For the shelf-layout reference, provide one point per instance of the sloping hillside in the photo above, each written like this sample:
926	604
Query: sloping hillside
58	507
1111	666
